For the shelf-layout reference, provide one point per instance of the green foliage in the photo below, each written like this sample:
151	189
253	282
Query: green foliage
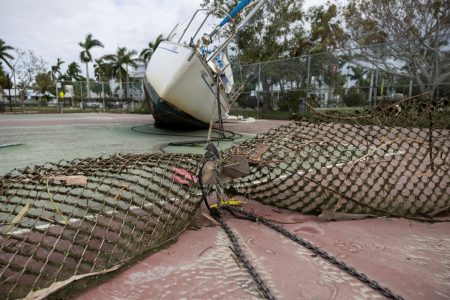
353	99
44	83
5	80
269	37
56	69
87	45
414	33
102	70
96	87
326	32
4	55
147	53
119	62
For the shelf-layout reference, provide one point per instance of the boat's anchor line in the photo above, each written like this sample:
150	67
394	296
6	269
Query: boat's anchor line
241	214
216	213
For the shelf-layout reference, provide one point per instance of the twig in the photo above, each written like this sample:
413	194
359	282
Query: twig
201	253
19	217
56	207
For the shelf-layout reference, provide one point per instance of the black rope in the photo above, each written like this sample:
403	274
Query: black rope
231	137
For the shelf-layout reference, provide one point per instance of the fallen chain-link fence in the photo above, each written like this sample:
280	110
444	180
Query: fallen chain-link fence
391	161
73	218
62	221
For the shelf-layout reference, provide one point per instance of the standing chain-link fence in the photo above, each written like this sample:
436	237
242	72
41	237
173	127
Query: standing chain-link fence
73	95
379	74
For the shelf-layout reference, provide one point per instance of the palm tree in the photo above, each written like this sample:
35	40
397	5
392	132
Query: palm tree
147	53
358	75
123	57
101	68
4	55
86	57
55	74
56	69
116	62
130	61
73	72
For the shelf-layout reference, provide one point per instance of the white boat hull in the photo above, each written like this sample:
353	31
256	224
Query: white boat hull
178	76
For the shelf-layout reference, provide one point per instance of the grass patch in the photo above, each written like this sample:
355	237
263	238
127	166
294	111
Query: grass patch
287	115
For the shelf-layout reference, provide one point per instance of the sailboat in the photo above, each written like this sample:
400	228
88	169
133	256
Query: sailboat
189	85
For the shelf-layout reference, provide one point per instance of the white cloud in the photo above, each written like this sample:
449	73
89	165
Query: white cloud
53	28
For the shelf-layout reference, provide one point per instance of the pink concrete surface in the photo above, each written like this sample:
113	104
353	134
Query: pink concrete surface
410	258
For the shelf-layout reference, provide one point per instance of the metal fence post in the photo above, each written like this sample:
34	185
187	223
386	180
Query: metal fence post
376	76
103	96
308	75
258	93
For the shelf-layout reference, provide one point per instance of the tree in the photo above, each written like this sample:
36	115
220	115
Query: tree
130	60
115	62
73	72
326	35
101	69
44	83
56	69
413	38
147	53
100	88
5	81
358	75
268	36
4	55
27	65
86	57
119	63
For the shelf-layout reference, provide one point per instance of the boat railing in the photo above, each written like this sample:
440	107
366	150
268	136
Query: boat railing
190	22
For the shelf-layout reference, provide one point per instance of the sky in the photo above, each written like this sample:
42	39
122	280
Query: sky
53	28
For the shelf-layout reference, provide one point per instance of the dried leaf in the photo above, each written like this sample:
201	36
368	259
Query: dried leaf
259	151
209	173
117	197
71	180
19	217
236	167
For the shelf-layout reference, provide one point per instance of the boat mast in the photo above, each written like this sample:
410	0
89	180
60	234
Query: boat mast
241	25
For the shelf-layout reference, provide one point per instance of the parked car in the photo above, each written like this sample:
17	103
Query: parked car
92	105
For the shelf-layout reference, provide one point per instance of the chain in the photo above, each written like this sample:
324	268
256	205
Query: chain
308	245
236	248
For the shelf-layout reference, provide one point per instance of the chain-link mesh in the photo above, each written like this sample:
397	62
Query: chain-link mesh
84	216
80	217
391	161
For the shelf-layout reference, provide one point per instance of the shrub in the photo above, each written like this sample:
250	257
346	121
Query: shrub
354	99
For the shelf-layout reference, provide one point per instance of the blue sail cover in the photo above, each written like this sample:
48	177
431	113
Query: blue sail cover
235	11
